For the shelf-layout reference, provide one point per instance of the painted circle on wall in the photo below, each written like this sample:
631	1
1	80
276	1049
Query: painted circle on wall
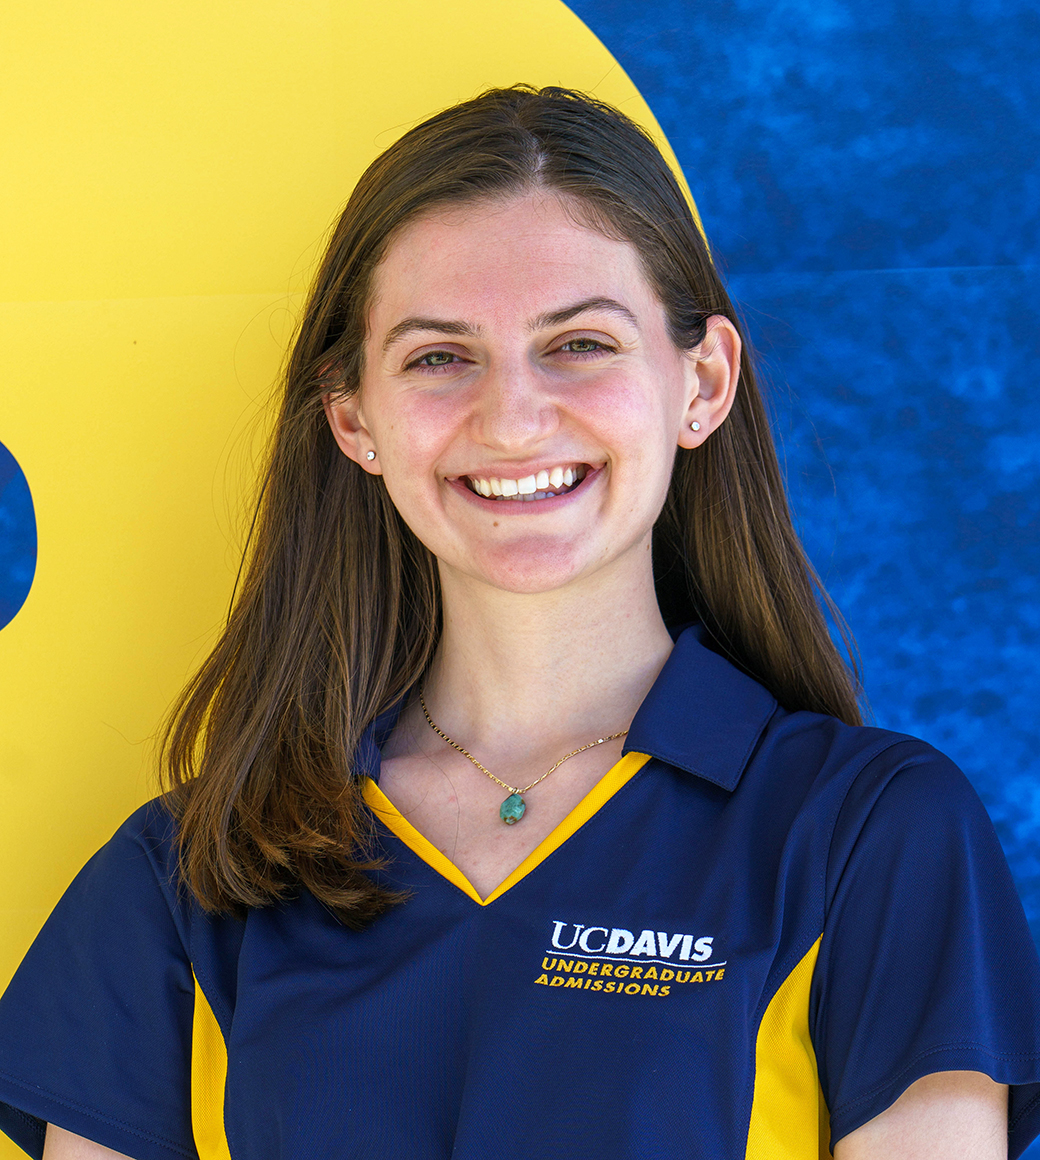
17	537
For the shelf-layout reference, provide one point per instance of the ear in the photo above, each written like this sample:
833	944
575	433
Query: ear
712	374
347	423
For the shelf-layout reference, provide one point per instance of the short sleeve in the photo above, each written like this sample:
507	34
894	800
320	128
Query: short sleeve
926	962
95	1027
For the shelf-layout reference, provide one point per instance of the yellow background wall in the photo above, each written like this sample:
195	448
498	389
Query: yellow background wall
172	170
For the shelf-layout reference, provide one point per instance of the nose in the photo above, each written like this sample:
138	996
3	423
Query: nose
515	410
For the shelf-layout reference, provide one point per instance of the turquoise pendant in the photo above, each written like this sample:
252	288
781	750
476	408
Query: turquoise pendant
512	809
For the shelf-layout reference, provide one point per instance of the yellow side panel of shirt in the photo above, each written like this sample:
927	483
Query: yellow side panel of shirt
208	1077
789	1118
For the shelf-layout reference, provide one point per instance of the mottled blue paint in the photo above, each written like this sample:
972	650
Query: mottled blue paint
820	135
870	176
17	537
914	472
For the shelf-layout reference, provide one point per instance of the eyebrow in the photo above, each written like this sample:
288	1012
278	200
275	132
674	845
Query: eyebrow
440	325
543	321
557	317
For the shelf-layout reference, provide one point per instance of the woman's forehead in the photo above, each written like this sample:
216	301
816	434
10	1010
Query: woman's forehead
514	258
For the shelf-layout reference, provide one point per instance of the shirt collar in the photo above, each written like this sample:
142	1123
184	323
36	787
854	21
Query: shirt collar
702	714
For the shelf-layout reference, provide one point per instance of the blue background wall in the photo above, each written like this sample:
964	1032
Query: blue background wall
870	176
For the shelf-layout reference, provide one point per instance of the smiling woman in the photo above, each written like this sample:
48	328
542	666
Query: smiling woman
522	555
481	391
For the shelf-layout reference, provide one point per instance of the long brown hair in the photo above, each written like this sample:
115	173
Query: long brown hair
338	611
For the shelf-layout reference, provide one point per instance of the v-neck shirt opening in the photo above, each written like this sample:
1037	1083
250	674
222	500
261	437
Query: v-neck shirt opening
384	809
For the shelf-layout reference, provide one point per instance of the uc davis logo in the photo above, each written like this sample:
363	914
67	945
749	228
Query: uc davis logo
617	961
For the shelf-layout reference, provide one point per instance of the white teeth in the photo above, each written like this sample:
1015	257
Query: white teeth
542	485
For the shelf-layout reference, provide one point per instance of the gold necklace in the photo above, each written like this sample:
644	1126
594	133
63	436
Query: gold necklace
514	807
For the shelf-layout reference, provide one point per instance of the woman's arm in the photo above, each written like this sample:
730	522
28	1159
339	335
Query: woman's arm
951	1115
62	1145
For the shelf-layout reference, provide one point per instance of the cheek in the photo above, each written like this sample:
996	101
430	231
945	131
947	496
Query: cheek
407	427
412	445
638	415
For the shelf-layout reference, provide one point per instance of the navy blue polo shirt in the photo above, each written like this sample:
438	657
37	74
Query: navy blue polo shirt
753	935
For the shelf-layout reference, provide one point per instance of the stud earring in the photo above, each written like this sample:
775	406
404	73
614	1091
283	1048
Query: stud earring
370	455
695	426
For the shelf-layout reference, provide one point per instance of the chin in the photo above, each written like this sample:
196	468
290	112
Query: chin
524	572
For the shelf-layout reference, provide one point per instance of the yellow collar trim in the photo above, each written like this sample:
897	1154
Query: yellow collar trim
595	799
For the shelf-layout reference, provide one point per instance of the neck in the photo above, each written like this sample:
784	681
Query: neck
562	666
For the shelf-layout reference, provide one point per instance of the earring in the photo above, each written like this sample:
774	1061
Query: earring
370	455
695	426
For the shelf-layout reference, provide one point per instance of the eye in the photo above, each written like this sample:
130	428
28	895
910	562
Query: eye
584	347
433	360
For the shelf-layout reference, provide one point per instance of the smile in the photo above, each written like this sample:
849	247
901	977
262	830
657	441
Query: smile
543	485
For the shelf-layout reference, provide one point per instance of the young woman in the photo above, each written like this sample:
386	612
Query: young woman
523	809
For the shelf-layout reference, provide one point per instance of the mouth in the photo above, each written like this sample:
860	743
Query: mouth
546	484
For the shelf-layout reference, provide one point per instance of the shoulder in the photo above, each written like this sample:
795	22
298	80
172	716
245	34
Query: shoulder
830	744
855	763
894	828
151	827
879	769
790	771
712	719
840	792
844	770
134	873
144	847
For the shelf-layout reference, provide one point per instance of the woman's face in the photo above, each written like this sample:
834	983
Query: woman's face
522	395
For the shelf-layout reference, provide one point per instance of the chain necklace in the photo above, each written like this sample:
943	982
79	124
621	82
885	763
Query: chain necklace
514	807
